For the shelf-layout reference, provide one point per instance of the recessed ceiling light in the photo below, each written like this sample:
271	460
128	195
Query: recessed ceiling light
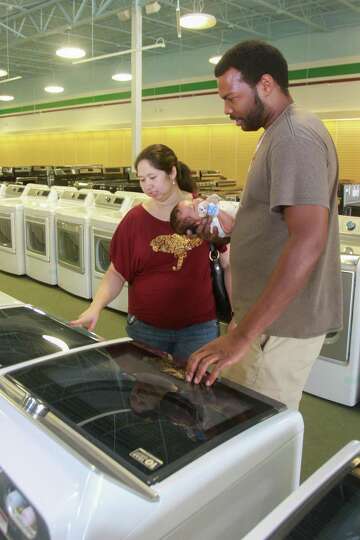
215	59
54	89
197	21
122	77
6	98
3	72
70	52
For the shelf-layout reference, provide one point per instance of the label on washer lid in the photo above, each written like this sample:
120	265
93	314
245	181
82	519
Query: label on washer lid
3	522
145	458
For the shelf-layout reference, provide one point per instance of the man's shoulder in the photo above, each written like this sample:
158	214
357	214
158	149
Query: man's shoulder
298	124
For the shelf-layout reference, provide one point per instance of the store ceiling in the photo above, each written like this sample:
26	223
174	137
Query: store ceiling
31	31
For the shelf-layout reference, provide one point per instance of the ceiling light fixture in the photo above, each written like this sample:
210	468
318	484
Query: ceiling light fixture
6	98
197	21
54	89
124	15
70	52
3	72
215	59
152	7
122	77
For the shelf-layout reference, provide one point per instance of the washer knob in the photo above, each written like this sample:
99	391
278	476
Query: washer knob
351	226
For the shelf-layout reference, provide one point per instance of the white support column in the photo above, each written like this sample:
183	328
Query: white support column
136	83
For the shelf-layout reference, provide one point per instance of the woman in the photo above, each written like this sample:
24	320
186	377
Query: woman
171	305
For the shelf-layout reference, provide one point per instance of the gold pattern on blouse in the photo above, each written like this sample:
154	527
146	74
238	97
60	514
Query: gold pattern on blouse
175	244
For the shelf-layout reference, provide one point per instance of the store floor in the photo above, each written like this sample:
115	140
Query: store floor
328	426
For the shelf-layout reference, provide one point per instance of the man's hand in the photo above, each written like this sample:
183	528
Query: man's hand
218	354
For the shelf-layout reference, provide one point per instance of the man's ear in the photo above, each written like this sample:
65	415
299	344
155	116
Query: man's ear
266	85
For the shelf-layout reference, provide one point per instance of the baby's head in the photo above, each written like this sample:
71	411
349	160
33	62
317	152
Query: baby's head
184	216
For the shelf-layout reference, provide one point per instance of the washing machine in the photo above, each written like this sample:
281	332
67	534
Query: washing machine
108	212
6	300
136	452
325	506
28	333
12	234
73	251
336	373
40	245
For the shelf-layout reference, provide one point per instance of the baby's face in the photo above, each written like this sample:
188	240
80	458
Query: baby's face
188	209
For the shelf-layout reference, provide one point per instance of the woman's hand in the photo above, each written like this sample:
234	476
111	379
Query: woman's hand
87	319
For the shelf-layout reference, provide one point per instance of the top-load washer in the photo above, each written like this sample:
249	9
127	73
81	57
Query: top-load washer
324	507
73	252
108	212
136	452
336	373
6	300
28	333
39	221
12	234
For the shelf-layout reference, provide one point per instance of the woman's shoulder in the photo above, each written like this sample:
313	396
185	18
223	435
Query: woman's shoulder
134	214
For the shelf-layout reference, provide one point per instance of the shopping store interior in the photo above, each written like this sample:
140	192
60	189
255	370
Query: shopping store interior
84	86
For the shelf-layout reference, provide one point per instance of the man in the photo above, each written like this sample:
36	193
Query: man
285	260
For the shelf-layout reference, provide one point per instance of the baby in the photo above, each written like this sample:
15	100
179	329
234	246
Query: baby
188	214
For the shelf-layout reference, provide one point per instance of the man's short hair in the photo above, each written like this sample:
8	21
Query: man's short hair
253	59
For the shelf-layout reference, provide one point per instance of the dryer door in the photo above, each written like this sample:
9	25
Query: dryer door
37	237
70	245
7	232
101	246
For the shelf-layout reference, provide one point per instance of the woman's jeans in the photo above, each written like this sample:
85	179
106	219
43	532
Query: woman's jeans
179	343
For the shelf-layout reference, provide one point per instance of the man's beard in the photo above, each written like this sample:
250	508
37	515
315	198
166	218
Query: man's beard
254	120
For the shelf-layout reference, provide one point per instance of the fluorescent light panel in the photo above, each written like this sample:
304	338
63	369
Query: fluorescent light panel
70	52
197	21
54	89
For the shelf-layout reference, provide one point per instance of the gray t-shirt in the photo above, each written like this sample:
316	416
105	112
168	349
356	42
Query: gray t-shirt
295	163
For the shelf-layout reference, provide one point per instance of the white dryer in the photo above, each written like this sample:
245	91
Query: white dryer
73	247
108	212
135	452
40	246
12	235
336	373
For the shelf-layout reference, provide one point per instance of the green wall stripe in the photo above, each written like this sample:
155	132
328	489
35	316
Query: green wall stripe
199	86
325	71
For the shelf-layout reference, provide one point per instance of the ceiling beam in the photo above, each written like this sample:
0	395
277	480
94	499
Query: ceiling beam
350	5
277	8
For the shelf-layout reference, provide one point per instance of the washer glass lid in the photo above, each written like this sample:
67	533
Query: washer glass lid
27	333
135	406
331	512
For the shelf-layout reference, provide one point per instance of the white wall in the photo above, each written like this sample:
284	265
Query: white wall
335	100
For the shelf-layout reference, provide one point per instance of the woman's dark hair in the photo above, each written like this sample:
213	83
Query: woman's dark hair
164	159
253	59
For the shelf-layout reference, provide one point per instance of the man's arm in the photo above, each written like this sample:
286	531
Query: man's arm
308	229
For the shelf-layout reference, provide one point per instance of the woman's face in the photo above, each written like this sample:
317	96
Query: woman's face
154	182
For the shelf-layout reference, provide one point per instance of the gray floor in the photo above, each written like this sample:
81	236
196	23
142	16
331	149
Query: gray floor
328	426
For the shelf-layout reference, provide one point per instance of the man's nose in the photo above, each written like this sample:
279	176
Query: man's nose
227	108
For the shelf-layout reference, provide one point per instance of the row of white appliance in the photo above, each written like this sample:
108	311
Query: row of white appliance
60	235
64	237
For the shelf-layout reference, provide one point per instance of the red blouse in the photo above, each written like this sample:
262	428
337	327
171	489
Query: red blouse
168	274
